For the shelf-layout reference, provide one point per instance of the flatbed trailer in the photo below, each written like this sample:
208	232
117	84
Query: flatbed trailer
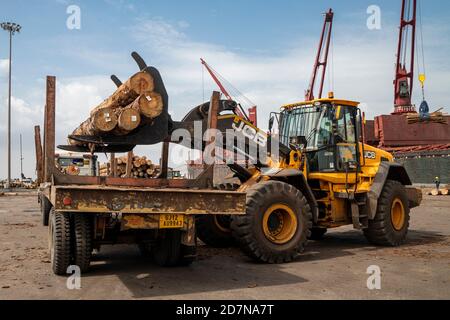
85	212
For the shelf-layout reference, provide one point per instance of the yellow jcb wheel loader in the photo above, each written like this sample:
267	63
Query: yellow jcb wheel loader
324	178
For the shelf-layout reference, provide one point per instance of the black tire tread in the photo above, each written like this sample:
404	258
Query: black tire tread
208	232
82	241
242	226
46	206
61	242
380	231
167	251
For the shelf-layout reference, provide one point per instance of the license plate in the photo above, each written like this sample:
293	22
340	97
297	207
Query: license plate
171	221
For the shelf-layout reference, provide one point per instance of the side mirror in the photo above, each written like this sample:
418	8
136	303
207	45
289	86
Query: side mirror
271	121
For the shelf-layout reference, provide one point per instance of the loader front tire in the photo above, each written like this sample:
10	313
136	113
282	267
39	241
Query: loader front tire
277	223
82	235
391	223
59	241
214	230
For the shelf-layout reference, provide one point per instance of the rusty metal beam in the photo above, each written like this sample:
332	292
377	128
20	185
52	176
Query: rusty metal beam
113	164
49	136
164	160
39	157
148	201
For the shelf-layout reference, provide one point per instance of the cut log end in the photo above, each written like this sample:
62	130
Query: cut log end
104	120
142	82
151	105
129	119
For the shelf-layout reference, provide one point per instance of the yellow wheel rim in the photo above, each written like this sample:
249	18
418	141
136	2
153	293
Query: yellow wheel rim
397	214
279	224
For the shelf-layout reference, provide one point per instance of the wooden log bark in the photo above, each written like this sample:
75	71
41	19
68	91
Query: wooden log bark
139	84
435	192
108	115
103	121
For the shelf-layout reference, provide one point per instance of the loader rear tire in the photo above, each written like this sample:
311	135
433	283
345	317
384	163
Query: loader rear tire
167	251
59	241
82	246
46	206
391	223
277	223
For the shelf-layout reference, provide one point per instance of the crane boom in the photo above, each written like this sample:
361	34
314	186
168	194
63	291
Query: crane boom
252	116
403	82
324	47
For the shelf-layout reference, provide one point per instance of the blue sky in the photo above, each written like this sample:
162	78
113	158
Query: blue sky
265	48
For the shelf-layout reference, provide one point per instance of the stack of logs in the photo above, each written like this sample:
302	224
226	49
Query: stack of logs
435	117
440	192
133	104
141	167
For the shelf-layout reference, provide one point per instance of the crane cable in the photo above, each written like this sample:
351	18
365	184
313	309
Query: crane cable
203	83
232	90
332	64
421	68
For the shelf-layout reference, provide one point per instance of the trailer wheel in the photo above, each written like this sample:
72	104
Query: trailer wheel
188	255
391	223
317	233
59	241
277	224
82	249
167	251
46	206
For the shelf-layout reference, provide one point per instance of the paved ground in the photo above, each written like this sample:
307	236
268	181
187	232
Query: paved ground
334	268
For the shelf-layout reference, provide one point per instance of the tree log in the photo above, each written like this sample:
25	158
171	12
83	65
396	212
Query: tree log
128	118
109	114
151	105
139	84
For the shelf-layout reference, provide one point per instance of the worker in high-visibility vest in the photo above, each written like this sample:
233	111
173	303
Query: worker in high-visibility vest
437	181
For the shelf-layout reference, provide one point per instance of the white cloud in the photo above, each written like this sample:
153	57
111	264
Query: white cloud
4	65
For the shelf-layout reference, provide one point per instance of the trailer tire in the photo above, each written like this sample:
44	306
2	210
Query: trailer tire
188	255
167	251
46	206
391	223
317	233
59	241
277	224
82	235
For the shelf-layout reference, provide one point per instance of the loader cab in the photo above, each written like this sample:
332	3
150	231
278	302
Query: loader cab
331	129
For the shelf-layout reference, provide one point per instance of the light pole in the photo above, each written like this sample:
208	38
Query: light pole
12	28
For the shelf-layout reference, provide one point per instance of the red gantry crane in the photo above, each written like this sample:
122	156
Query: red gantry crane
322	58
404	74
218	79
